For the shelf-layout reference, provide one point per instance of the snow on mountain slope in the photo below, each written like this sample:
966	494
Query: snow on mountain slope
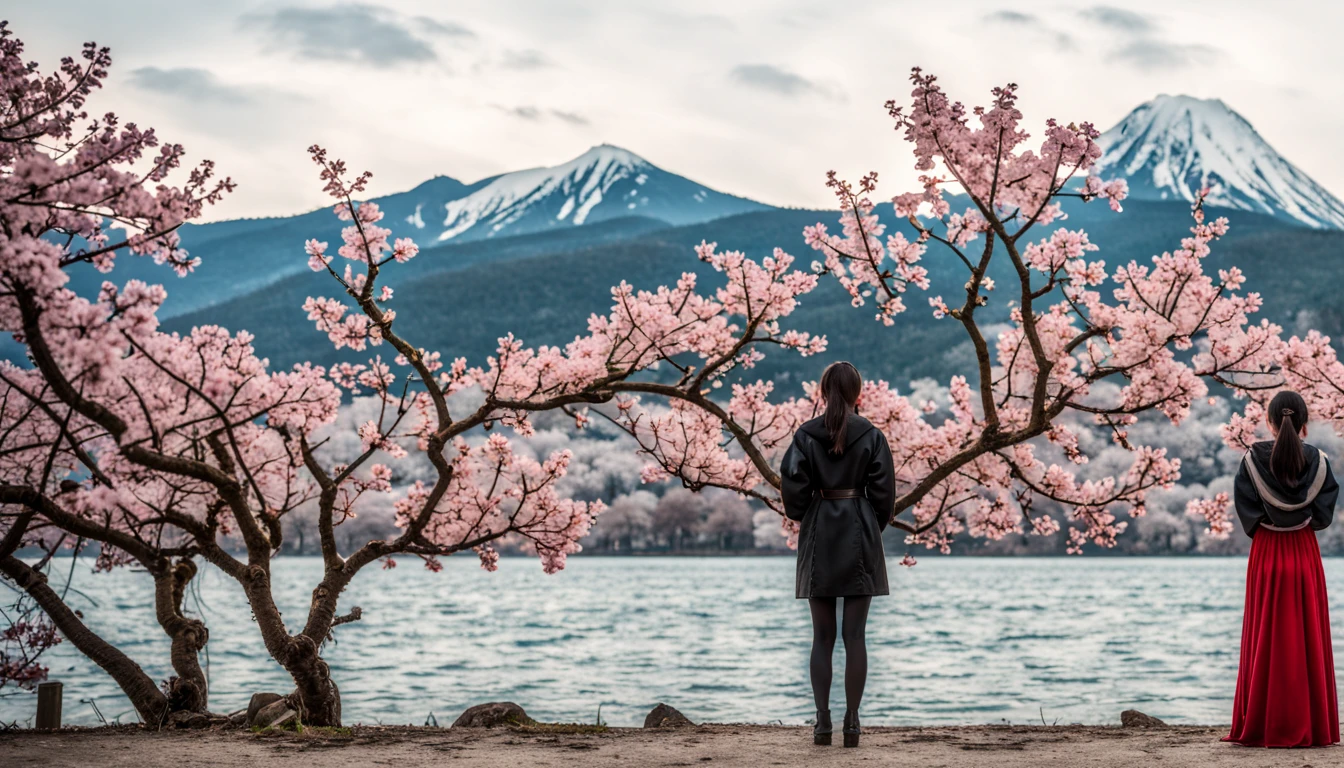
603	183
1172	146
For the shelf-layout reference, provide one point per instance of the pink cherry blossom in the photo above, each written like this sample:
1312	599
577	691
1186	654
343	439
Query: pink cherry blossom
1163	332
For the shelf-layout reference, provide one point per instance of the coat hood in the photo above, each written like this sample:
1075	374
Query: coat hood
1262	500
855	427
1288	498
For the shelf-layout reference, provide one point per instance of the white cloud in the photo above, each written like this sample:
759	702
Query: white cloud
781	82
379	76
351	33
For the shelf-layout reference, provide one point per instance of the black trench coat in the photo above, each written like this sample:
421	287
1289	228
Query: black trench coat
840	542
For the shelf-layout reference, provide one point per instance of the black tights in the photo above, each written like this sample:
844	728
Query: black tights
823	643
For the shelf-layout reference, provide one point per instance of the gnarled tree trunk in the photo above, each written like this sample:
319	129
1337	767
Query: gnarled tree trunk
145	696
316	697
187	690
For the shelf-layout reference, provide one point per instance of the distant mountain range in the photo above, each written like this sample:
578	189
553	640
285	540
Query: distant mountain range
462	297
604	184
536	251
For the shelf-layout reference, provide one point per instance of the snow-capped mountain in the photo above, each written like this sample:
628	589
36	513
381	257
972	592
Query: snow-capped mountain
606	182
1172	146
602	184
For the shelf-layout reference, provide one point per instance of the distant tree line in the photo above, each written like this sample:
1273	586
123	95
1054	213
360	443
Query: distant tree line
682	521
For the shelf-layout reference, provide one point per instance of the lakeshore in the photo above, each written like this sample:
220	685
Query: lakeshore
1013	746
721	639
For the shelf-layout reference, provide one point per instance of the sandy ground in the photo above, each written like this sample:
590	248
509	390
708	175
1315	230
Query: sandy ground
712	745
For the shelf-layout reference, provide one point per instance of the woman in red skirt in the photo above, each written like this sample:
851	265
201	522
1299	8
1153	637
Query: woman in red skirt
1285	492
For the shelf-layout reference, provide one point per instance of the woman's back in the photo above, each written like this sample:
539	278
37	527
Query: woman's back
843	500
1264	499
851	467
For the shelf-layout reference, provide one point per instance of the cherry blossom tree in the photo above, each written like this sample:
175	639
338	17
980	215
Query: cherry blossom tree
1085	342
484	492
27	634
1167	329
162	449
76	445
628	519
729	519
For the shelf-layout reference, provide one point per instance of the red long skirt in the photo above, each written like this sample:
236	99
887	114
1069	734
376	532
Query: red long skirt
1286	682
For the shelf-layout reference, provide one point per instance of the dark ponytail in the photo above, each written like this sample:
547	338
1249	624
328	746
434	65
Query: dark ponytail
840	387
1287	412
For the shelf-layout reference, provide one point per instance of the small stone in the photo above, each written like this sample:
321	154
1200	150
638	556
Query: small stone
1133	718
493	714
237	718
260	700
666	716
274	715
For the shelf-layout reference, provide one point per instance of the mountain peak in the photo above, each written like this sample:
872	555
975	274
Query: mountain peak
604	182
1181	98
1169	108
1172	146
611	153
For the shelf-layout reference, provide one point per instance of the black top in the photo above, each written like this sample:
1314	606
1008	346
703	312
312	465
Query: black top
839	540
1261	498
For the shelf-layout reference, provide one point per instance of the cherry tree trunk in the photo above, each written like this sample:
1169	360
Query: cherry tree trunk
316	697
187	690
145	696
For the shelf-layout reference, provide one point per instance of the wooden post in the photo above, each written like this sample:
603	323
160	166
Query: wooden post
48	706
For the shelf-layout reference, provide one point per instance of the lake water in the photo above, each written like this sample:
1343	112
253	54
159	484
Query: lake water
961	640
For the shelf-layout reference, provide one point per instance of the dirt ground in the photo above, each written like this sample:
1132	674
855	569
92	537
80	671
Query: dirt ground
712	745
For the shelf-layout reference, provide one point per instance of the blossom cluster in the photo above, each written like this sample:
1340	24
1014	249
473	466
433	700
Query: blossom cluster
499	495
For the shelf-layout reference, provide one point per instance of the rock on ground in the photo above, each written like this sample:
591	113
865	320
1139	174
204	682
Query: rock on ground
664	716
260	700
274	715
493	714
194	720
1133	718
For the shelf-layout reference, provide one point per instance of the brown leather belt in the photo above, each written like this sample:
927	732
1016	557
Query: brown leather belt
841	493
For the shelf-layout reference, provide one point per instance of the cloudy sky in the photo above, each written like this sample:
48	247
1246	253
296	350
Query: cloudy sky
751	97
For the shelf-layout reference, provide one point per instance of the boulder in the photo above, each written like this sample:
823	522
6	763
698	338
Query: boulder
665	716
493	714
1133	718
258	701
274	715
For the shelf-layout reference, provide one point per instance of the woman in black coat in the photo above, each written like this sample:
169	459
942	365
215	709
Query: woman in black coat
839	484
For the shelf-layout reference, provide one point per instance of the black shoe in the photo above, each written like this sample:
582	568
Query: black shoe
821	732
851	730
